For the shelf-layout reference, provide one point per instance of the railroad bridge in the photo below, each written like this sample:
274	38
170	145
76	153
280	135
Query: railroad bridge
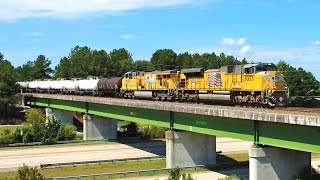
282	140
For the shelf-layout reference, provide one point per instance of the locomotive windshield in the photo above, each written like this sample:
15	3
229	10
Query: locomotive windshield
266	67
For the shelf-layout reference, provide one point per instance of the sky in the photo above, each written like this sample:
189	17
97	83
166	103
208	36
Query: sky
259	30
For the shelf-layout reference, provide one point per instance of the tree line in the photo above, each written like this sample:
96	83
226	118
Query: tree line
84	61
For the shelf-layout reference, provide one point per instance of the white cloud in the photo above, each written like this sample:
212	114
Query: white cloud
231	41
34	34
228	41
245	49
128	36
316	42
16	9
241	41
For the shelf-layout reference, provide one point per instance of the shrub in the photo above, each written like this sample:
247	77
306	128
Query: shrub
37	119
152	132
176	174
17	136
51	132
6	137
29	173
27	135
67	132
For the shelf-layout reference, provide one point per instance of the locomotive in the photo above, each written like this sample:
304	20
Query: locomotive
257	84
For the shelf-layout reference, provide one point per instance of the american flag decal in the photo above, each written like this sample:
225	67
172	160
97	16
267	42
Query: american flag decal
214	80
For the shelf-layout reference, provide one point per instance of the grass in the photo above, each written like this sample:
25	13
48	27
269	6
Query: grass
94	169
104	168
10	127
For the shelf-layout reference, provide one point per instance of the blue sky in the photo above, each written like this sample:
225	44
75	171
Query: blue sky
261	30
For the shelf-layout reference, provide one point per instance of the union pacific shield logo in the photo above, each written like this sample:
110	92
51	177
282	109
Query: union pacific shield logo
214	79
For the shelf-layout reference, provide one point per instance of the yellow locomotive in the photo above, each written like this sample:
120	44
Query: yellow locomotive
259	84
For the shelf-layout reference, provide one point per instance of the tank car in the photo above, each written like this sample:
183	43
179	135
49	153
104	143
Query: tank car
71	86
45	85
88	86
23	85
33	86
110	86
57	86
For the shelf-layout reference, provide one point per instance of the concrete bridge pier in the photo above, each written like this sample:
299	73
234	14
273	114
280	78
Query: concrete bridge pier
189	149
65	117
99	128
276	163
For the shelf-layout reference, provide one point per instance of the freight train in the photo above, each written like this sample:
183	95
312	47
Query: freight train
257	84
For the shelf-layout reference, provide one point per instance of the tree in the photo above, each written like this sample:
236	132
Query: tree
83	62
64	69
184	60
142	65
37	69
302	85
164	59
121	62
8	88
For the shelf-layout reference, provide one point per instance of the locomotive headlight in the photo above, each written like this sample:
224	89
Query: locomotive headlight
274	87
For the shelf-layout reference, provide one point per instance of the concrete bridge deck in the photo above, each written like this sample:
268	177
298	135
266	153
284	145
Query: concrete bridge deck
267	115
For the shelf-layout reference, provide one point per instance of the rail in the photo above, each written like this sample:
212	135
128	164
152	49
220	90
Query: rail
122	173
100	161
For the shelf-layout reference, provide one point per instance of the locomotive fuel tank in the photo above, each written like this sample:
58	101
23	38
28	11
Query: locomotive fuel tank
143	94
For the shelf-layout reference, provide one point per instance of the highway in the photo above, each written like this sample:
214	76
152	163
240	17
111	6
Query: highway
12	159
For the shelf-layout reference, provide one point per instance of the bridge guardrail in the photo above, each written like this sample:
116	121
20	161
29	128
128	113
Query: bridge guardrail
99	161
122	173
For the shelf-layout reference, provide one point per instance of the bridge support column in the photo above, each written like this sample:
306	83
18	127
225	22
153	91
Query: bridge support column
65	117
99	128
189	149
276	163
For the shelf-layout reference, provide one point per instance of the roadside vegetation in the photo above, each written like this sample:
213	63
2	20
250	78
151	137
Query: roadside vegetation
35	129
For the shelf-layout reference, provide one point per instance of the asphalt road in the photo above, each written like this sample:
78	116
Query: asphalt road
12	159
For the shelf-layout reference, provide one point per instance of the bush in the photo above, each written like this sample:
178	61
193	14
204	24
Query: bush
176	174
17	136
67	132
51	132
27	135
6	137
29	173
152	132
37	119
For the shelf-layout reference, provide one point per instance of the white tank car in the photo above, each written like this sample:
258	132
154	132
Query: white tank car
71	86
45	85
58	85
23	84
89	85
33	85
